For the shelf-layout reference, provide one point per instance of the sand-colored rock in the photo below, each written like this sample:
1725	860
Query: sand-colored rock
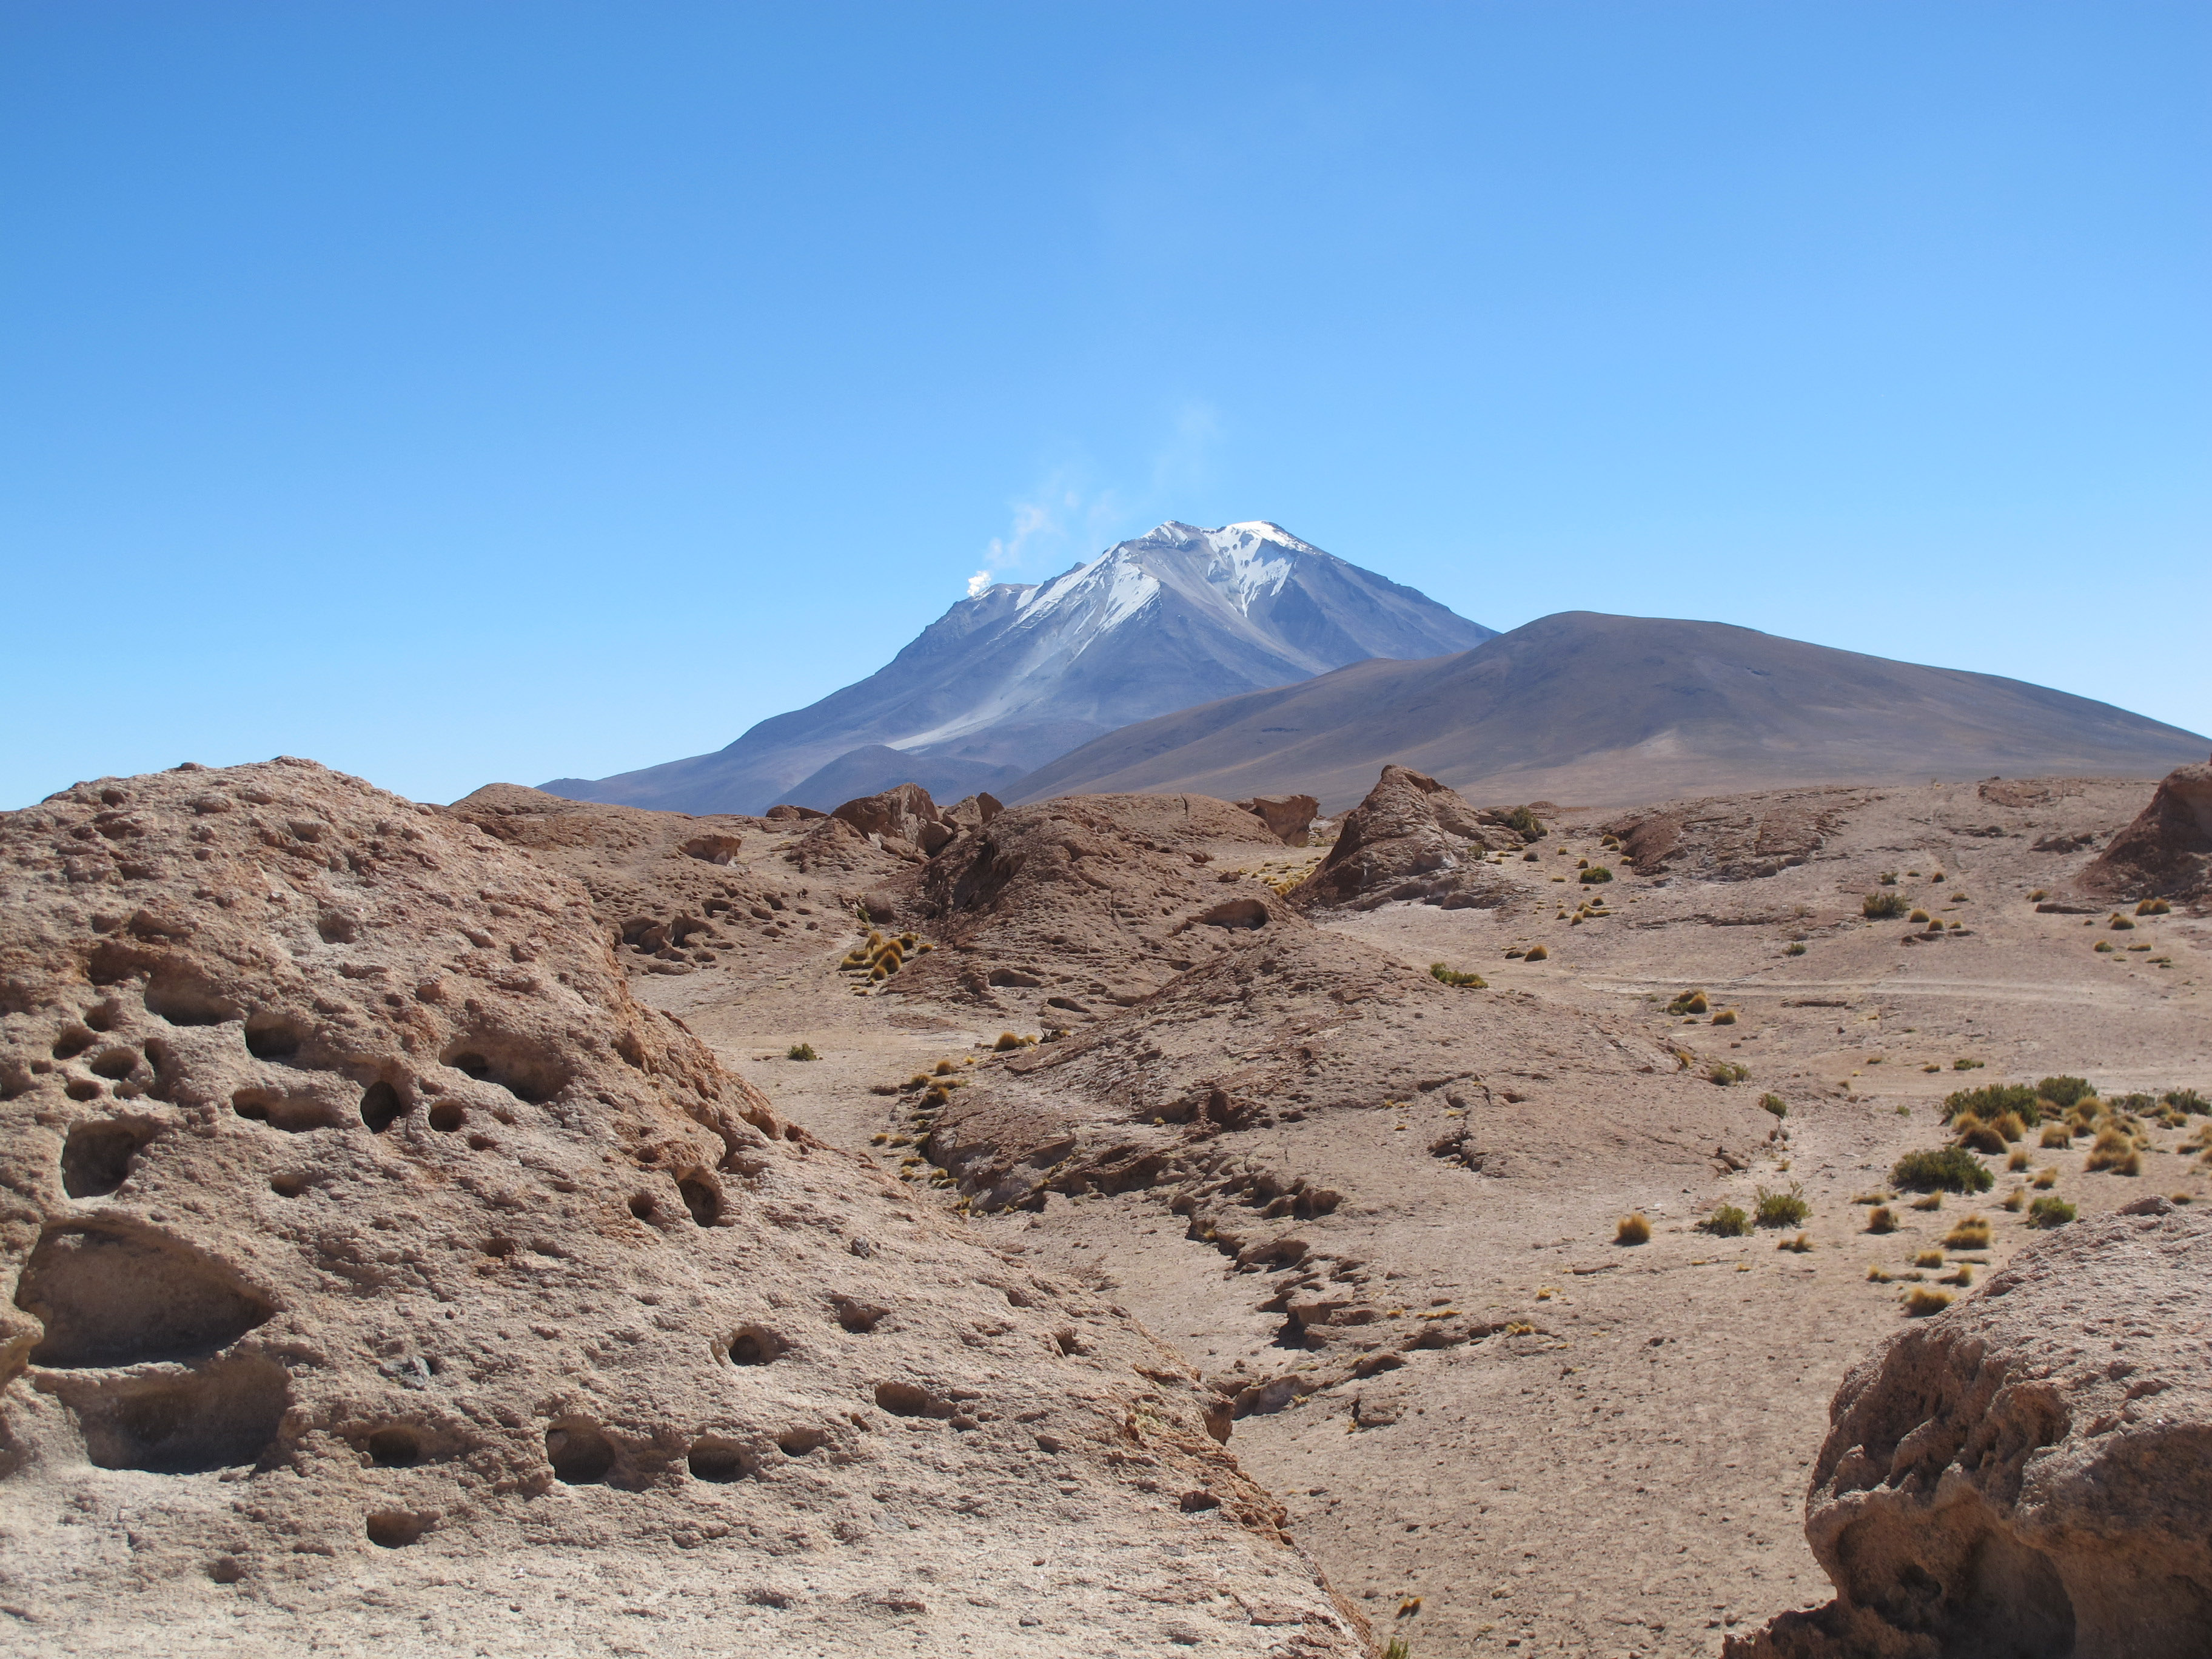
1290	817
2166	853
2028	1472
1735	838
1071	907
383	1276
899	819
1410	838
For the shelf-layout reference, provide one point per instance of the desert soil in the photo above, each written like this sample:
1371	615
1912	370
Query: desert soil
1612	1458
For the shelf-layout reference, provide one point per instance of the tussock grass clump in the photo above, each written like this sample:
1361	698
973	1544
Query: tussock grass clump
1775	1104
1784	1208
1796	949
1726	1017
1992	1100
1942	1169
2057	1134
2044	1180
1690	1002
1884	907
1961	1275
2120	924
2010	1126
1527	823
1596	874
1538	953
1727	1221
1802	1242
2102	945
801	1051
1964	1065
1445	974
1881	1219
1982	1136
1927	1259
2018	1161
2064	1091
2016	1199
1917	916
1933	1201
1007	1040
2154	907
1633	1230
2049	1213
945	1069
1876	1276
1727	1072
1923	1302
2037	895
1886	879
1969	1232
2114	1149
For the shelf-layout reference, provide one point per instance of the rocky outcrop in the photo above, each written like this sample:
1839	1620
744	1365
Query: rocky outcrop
2166	853
1734	838
899	819
1288	817
2030	1472
1073	906
381	1275
1410	838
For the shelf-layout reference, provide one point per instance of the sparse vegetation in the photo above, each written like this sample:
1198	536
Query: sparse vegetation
1965	1065
1783	1209
1776	1105
1007	1040
2036	896
2016	1199
1887	878
2120	924
1726	1017
1726	1072
2187	1100
1595	874
2044	1180
1633	1230
1992	1100
2018	1161
2055	1134
1961	1275
801	1051
1530	827
1800	1244
1883	907
1727	1221
1980	1136
1942	1169
1796	949
1927	1259
1446	976
1876	1275
1933	1201
2049	1213
1690	1002
2114	1149
1881	1219
2064	1091
2154	907
1969	1232
1538	953
1917	916
1922	1302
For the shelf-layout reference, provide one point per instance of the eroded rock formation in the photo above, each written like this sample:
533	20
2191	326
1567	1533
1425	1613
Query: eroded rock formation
1410	838
1734	838
2166	853
2028	1472
381	1272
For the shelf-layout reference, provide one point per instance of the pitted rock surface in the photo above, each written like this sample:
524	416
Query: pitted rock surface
382	1276
2030	1471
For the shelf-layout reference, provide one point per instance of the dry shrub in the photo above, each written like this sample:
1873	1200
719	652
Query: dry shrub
1690	1002
2019	1160
1883	1220
2057	1134
1969	1233
1800	1244
1933	1201
1927	1259
2044	1180
1728	1221
1726	1017
2010	1126
1923	1302
1537	953
1007	1040
2016	1199
1633	1230
2114	1150
1784	1209
1980	1136
2049	1213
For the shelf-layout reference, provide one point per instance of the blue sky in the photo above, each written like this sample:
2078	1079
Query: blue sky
457	392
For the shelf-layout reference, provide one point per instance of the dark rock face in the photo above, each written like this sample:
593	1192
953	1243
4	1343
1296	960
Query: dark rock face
1411	838
2166	853
903	817
2029	1473
1288	816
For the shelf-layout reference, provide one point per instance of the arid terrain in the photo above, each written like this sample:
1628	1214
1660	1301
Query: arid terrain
1205	1087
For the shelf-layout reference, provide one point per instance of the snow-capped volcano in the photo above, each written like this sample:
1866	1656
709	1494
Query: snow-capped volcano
1023	672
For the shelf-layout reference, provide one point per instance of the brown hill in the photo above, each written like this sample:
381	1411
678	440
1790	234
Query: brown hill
1617	710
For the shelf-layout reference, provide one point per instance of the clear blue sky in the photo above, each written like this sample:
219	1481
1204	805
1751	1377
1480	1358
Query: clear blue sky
457	392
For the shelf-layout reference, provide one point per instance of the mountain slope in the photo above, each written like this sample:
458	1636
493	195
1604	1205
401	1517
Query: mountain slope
1024	672
1599	709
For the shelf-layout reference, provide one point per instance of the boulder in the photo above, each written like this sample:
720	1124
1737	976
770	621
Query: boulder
973	812
2166	853
785	812
2028	1472
1288	817
1411	838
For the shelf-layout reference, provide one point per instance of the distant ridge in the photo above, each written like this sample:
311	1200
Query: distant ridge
1023	672
1598	710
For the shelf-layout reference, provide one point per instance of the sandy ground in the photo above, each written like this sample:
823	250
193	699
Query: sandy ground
1627	1475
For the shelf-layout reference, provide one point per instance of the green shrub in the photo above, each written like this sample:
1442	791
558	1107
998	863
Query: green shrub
1596	872
1993	1100
1690	1002
1787	1209
801	1051
1728	1221
1727	1072
1530	826
1776	1105
1796	950
2063	1091
1444	975
1884	907
1888	879
2049	1213
2186	1100
1965	1065
1946	1169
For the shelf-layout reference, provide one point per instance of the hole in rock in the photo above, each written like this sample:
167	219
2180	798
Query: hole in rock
215	1416
73	1042
394	1529
859	1317
271	1036
509	1064
83	1088
381	1107
702	1200
446	1116
226	1570
395	1449
114	1298
115	1064
579	1454
755	1345
481	1143
294	1114
183	1002
289	1183
103	1016
796	1443
713	849
336	929
902	1399
96	1157
642	1206
114	962
717	1461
